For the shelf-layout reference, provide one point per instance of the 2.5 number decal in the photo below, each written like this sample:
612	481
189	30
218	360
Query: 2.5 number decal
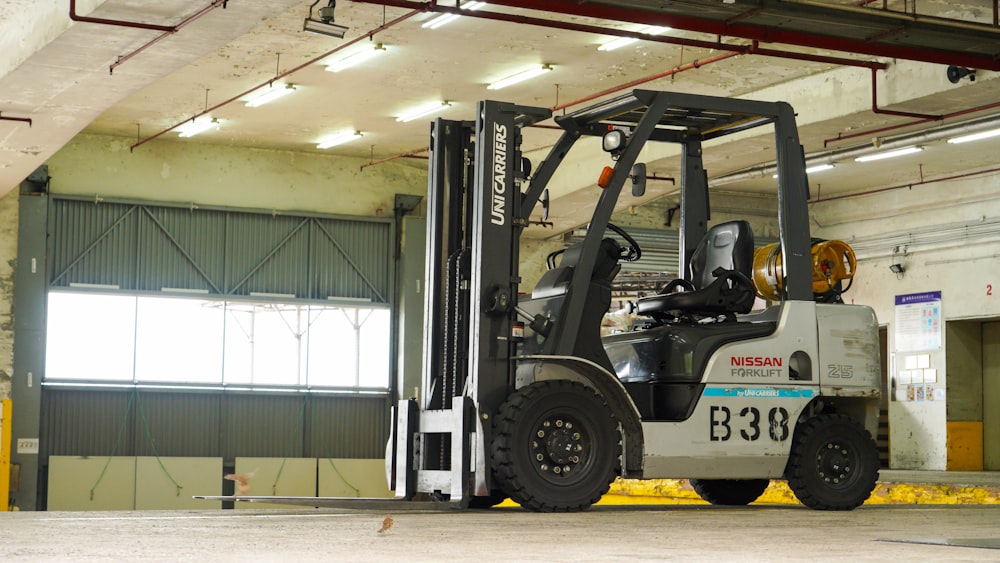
747	421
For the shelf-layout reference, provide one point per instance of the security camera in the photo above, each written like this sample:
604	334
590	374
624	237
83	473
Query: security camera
956	73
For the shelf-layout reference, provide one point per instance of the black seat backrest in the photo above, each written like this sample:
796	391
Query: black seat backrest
555	281
720	268
728	246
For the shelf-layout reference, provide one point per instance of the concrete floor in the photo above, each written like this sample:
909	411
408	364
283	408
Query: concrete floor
682	533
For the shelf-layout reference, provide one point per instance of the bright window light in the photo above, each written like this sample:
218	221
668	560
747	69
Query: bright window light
520	77
198	125
423	110
623	41
339	139
97	338
889	154
974	136
448	18
357	58
90	336
269	94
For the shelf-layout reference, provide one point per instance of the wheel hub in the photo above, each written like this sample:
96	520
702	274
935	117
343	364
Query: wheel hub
558	446
834	463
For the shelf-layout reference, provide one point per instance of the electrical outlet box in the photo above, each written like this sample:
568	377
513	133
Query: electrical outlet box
27	445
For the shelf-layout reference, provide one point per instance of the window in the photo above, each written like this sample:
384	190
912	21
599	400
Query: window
188	340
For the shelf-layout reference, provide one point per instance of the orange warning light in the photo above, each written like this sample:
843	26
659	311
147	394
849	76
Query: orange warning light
605	178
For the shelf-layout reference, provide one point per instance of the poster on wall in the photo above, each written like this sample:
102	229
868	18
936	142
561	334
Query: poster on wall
918	321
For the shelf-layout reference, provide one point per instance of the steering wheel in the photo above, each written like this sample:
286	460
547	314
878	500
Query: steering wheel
629	253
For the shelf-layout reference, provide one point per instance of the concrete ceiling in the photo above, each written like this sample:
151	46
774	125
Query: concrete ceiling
57	74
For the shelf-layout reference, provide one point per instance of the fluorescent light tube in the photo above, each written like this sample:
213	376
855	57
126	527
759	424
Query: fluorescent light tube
818	168
94	285
448	18
812	169
975	136
520	77
356	58
339	139
199	125
439	21
423	110
623	41
272	295
889	154
184	290
270	94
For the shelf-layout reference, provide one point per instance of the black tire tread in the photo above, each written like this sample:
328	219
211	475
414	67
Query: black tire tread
502	457
730	492
798	466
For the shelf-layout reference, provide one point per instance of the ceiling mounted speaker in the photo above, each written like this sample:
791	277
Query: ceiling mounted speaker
956	73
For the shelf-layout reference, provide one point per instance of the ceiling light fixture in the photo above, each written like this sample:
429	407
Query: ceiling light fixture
974	136
198	125
446	18
423	110
813	169
520	77
623	41
889	154
339	139
356	58
818	168
323	25
270	94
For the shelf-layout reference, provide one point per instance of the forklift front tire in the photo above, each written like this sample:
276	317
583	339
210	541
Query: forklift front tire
556	446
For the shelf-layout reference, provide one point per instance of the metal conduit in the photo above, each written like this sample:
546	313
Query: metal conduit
121	60
831	157
924	238
311	61
120	23
21	119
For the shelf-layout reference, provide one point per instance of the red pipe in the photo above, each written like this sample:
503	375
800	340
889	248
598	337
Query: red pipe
21	119
755	50
671	72
734	50
664	74
136	25
906	186
411	154
876	109
200	13
311	61
869	133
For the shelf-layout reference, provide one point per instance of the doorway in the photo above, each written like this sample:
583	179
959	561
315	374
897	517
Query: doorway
991	395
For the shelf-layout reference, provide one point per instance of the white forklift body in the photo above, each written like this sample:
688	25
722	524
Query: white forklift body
522	398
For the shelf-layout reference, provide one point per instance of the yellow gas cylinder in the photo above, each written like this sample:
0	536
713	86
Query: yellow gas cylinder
832	262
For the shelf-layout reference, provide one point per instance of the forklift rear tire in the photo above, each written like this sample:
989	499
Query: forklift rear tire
730	492
556	446
833	463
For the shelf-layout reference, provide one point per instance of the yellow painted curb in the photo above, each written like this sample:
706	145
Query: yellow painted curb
679	491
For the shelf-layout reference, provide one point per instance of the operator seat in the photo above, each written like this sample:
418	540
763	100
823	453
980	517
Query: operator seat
555	282
720	278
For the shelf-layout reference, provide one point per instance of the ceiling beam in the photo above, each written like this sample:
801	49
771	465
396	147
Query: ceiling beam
865	31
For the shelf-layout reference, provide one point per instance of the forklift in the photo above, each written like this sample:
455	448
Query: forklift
522	398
